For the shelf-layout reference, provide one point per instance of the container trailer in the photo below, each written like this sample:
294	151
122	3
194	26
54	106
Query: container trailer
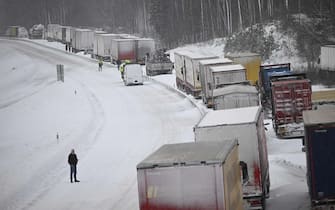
144	46
123	49
195	175
103	45
327	56
66	34
83	40
319	147
290	96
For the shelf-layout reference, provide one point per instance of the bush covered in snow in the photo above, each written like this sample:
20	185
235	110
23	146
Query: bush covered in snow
254	39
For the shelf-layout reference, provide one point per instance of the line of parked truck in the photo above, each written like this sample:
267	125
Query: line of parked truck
103	45
239	80
226	167
198	175
234	176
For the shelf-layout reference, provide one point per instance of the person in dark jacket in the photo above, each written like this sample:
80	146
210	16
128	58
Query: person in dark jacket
73	160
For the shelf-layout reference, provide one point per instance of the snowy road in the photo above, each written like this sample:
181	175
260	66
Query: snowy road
112	128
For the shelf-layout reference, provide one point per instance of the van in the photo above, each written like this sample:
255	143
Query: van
133	74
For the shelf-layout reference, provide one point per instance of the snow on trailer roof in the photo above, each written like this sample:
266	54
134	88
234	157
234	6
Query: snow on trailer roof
192	153
236	116
242	55
329	46
123	40
215	61
82	29
233	67
289	81
145	39
108	34
315	117
235	89
195	55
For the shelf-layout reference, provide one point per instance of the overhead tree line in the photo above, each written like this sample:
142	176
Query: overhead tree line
173	22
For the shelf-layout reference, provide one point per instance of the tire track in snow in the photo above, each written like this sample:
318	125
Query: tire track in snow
95	126
52	173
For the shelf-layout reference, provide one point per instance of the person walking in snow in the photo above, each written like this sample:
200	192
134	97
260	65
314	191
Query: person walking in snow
73	160
100	64
118	63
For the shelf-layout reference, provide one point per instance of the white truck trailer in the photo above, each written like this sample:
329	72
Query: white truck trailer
327	56
123	49
103	45
52	31
220	76
204	67
246	125
188	72
144	46
66	34
83	40
194	175
235	96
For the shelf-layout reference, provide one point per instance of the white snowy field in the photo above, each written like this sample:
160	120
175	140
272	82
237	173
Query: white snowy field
112	127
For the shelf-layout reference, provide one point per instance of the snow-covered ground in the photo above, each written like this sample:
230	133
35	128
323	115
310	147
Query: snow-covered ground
112	128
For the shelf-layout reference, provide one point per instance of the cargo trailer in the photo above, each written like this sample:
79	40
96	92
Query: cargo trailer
58	32
123	49
188	72
95	42
290	96
179	66
144	46
204	68
247	126
201	176
319	147
83	40
16	31
251	62
235	96
220	76
52	31
327	56
72	36
103	45
66	34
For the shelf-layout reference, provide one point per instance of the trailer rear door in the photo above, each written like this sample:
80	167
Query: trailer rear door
321	149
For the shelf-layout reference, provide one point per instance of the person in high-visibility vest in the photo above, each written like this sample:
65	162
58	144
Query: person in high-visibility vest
122	66
121	69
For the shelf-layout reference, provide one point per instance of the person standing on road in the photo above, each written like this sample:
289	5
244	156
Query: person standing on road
73	160
100	64
118	63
